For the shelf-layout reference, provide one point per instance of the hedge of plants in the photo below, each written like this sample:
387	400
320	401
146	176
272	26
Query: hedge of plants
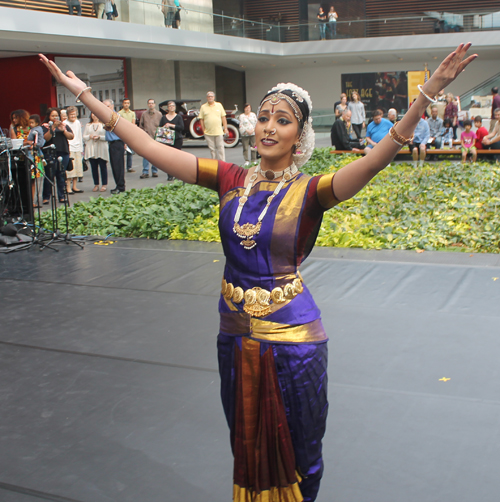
441	206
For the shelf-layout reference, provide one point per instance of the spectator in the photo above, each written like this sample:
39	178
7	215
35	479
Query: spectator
467	140
377	129
168	9
177	15
341	134
174	121
74	5
19	124
150	120
435	128
98	6
451	112
392	115
116	149
340	106
358	114
492	140
481	132
129	115
36	140
496	118
75	150
96	151
419	146
322	20
214	124
108	9
63	114
496	101
447	133
248	121
58	134
332	22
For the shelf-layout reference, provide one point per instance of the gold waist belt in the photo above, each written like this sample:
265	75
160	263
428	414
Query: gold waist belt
257	300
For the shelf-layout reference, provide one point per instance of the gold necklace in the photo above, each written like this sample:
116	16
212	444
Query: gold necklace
248	231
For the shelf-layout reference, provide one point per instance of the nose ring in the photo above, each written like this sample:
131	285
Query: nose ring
271	132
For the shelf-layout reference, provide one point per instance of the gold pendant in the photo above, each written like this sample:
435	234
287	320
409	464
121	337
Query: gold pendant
257	302
248	243
247	230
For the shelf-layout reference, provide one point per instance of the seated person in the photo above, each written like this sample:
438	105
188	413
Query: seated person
435	128
447	133
467	140
419	146
341	134
492	140
392	115
377	129
495	119
481	132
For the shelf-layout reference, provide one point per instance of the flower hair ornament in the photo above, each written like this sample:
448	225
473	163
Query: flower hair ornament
301	104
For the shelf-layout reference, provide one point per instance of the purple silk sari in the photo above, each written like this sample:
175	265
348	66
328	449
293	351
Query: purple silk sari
272	367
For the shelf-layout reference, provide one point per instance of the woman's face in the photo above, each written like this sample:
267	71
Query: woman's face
343	100
247	110
54	116
171	107
355	96
72	116
279	117
449	98
93	117
15	120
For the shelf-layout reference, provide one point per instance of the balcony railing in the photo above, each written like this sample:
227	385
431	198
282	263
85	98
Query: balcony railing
194	18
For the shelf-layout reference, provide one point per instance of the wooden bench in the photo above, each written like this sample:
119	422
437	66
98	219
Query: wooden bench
430	151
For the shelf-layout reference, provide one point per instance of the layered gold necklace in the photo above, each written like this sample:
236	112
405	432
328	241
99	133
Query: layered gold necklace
248	231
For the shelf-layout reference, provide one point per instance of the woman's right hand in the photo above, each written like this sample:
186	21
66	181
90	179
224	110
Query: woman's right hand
70	80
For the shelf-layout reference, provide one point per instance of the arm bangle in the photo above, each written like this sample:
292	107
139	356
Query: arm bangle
419	87
81	92
110	126
397	138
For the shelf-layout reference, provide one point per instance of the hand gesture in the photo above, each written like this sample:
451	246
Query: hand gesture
454	64
70	80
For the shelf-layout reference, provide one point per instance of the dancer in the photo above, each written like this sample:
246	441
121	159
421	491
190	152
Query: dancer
272	345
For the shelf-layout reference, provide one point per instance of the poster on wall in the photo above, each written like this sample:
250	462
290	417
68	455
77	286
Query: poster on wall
416	78
382	90
105	76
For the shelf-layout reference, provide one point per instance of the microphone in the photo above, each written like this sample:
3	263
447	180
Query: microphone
49	147
51	123
59	159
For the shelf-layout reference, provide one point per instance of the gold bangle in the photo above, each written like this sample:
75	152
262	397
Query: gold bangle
81	92
397	138
109	126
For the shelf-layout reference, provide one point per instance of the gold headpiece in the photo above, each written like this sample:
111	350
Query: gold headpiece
276	98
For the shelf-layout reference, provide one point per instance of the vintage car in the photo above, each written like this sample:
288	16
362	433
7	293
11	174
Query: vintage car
189	109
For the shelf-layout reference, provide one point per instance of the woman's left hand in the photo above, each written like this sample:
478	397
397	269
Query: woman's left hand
454	64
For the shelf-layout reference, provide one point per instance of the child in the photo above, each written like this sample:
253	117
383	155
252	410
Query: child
467	140
447	133
36	140
481	132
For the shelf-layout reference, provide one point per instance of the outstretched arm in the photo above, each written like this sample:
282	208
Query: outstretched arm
180	164
352	178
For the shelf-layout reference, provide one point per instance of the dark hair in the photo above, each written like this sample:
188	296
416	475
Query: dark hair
23	117
50	110
494	90
245	105
447	123
478	118
496	110
125	99
303	106
36	118
467	123
377	113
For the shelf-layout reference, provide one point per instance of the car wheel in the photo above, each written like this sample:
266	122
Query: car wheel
233	136
195	129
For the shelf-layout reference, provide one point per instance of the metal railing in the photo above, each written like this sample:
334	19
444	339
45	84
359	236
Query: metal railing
193	18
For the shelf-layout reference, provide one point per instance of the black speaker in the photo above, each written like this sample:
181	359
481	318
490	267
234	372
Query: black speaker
16	200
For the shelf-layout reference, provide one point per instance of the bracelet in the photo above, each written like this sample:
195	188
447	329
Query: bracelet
110	126
419	87
397	138
81	92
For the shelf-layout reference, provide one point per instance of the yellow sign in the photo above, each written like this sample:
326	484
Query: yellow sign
415	78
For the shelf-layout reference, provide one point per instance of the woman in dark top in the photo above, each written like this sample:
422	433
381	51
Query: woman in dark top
451	112
57	134
173	121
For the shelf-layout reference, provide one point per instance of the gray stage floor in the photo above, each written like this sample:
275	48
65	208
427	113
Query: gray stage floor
110	392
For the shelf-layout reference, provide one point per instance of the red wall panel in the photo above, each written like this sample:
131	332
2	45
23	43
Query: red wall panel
25	84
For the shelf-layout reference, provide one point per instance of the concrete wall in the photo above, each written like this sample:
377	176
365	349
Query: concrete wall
323	83
150	78
196	79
